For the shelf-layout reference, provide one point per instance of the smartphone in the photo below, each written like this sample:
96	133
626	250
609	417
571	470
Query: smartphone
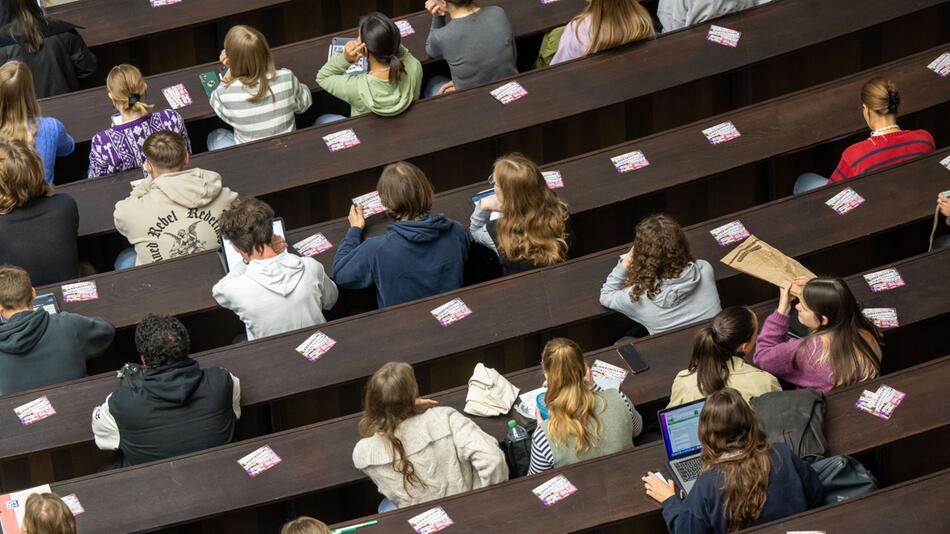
482	194
209	81
946	195
630	355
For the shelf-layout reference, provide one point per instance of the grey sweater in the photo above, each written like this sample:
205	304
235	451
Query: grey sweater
479	48
689	298
676	14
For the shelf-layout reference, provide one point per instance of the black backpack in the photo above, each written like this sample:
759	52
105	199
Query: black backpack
795	418
843	477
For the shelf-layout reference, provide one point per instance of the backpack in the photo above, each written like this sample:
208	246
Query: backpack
795	418
843	477
518	454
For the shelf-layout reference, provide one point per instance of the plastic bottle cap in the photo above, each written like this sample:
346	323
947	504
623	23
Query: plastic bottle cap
512	423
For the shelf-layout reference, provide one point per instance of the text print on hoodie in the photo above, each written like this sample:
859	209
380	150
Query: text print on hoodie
686	299
277	294
172	215
368	94
38	349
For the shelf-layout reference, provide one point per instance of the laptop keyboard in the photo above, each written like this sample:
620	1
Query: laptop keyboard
689	469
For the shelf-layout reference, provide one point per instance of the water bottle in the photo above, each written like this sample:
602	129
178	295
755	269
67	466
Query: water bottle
518	449
516	432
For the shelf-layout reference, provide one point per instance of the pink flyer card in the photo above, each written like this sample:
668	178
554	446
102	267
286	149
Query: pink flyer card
728	234
882	317
452	311
341	140
80	291
721	133
845	201
553	179
160	3
880	403
405	29
509	92
723	36
884	280
313	245
177	96
259	461
72	502
34	411
315	346
946	163
430	521
371	203
607	375
941	65
630	161
554	490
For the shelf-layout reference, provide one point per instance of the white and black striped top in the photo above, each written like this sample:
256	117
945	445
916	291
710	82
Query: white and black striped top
271	115
542	459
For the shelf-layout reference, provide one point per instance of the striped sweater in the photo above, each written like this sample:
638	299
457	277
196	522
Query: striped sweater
271	115
882	151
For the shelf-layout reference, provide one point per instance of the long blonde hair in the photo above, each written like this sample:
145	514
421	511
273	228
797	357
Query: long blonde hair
390	399
614	23
249	60
534	227
571	405
127	88
18	106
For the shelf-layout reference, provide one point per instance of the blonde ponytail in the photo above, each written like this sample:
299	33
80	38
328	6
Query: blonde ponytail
127	89
570	402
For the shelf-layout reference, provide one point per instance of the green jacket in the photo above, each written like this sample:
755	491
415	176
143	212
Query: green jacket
367	93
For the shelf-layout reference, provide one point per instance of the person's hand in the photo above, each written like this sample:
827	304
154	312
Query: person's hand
356	217
223	58
278	244
424	404
436	7
447	88
353	50
658	489
628	260
785	298
537	413
944	204
490	203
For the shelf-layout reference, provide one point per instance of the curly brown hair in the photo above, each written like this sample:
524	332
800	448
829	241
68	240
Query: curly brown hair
660	252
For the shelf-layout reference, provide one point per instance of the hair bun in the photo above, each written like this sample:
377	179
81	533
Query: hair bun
893	101
134	98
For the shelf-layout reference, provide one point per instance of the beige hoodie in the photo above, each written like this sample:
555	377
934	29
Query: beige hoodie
173	215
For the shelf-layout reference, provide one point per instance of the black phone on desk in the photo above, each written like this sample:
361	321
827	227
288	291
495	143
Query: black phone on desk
631	355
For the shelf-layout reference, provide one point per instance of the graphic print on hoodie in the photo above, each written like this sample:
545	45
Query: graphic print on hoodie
277	295
38	349
175	214
686	299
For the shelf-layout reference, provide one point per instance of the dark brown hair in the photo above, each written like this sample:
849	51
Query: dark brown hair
715	345
735	444
382	39
249	224
660	252
880	96
405	191
16	288
165	150
26	18
21	175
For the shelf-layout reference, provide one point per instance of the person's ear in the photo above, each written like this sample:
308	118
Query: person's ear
149	169
824	321
187	159
34	293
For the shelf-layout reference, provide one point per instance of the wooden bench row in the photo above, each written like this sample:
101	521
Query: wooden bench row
609	489
275	370
672	60
778	126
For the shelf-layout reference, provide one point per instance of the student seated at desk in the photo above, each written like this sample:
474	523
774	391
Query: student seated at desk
476	42
272	291
52	48
842	348
20	118
39	349
46	513
676	14
602	25
744	481
255	98
169	405
119	148
416	451
420	254
658	283
584	421
174	212
37	228
717	361
394	79
532	229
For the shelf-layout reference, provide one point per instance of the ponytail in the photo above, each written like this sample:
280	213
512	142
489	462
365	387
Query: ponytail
716	344
127	88
383	41
396	69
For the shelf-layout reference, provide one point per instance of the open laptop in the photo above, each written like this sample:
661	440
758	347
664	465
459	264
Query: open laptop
230	257
47	301
680	427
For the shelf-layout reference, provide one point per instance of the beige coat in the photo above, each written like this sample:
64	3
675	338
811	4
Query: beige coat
450	453
748	380
173	215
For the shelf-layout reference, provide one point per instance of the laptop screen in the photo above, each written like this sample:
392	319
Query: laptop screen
680	428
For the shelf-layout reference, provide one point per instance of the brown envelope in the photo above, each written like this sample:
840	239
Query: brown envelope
765	262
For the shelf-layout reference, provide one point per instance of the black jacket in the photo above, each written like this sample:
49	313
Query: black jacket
40	236
166	411
38	349
59	64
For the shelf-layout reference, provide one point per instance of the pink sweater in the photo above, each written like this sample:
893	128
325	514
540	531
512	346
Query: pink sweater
574	41
781	356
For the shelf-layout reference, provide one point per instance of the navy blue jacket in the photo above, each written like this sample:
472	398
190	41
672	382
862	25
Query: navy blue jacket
412	260
793	488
